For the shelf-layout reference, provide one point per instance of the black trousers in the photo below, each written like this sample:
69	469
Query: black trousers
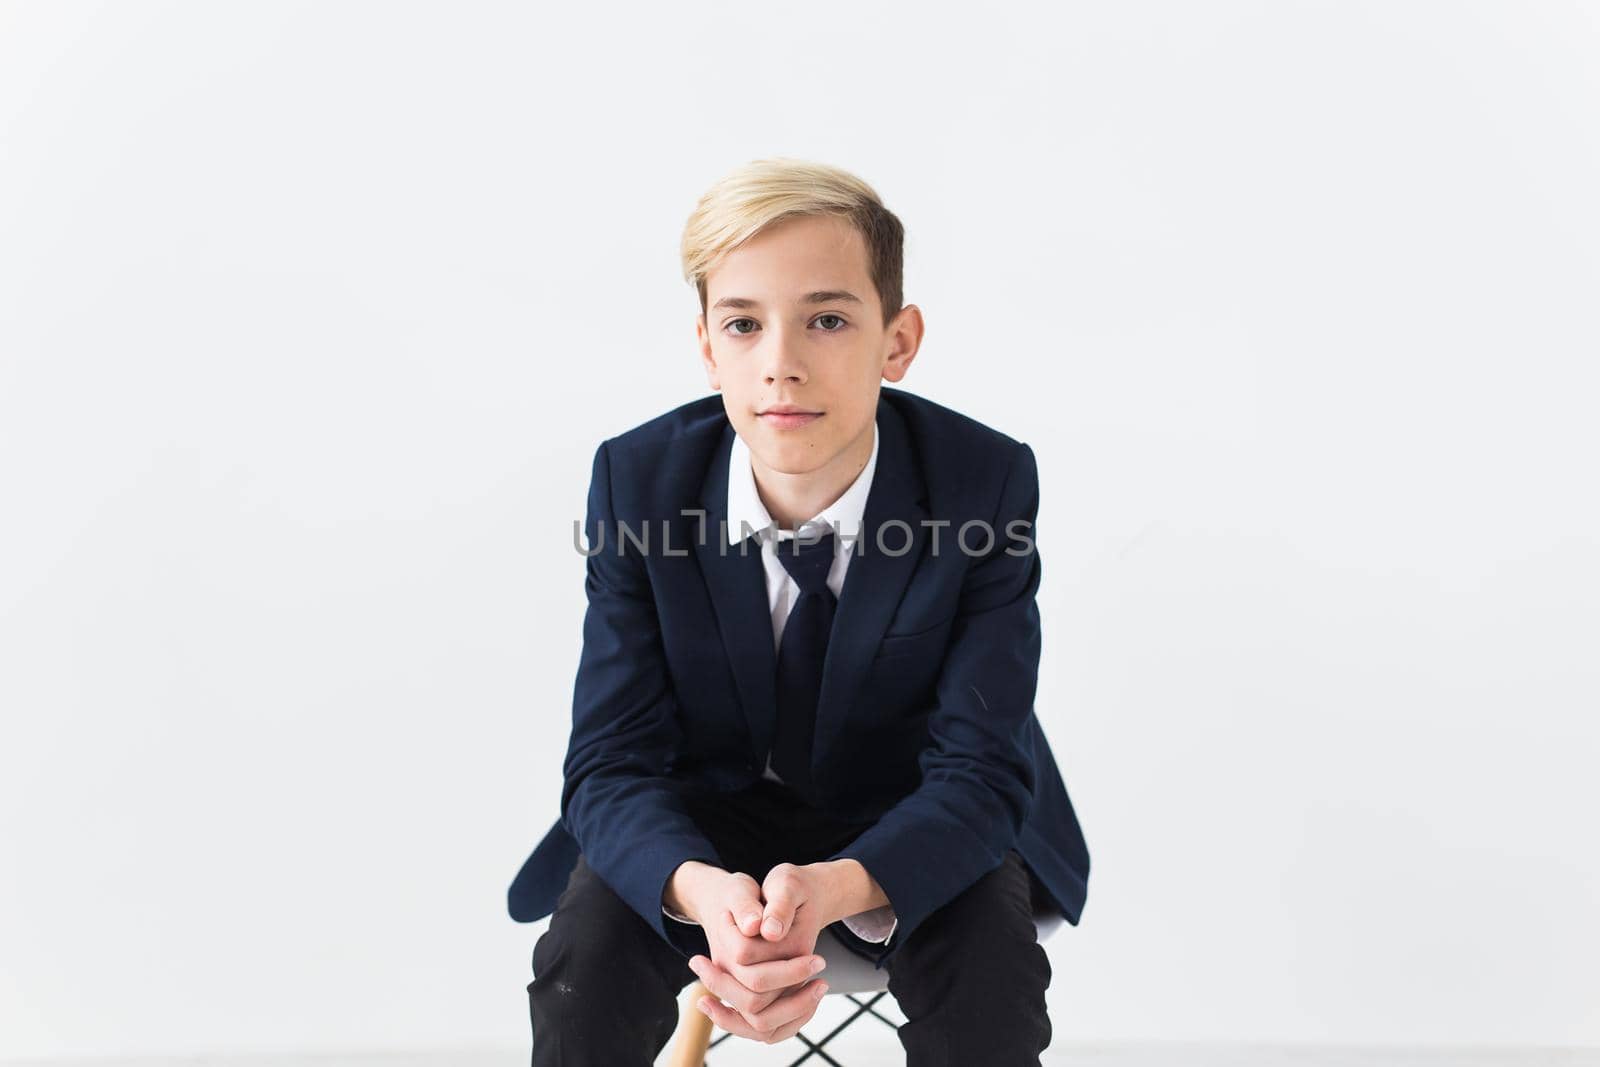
970	979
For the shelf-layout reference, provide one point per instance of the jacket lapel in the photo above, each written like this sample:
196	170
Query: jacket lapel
873	586
737	583
875	581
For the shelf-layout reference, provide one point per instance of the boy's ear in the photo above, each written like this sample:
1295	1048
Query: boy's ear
707	359
905	337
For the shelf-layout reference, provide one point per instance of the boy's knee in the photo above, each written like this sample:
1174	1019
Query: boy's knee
984	931
593	935
599	947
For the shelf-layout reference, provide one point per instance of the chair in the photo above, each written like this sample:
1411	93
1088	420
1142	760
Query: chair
846	974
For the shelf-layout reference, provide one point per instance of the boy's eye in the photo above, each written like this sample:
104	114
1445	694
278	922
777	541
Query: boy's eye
733	324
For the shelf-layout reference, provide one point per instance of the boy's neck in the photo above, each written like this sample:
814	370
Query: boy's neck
792	499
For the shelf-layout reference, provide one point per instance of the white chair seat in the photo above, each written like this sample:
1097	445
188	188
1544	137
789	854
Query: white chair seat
849	973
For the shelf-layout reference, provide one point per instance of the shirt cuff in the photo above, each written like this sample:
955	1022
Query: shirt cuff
669	913
876	926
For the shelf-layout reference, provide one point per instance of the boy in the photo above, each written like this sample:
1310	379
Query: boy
805	697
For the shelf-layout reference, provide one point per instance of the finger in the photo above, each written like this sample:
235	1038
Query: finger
724	985
777	974
784	1033
762	1001
783	894
735	1023
744	907
726	1018
791	1008
759	1001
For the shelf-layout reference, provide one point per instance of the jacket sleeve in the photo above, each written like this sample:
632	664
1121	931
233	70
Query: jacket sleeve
617	801
977	770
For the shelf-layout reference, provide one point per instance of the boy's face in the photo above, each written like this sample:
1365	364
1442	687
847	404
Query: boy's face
793	320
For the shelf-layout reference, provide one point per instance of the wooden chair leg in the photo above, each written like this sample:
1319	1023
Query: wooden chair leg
694	1031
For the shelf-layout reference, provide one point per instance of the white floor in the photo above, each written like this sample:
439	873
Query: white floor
871	1043
866	1049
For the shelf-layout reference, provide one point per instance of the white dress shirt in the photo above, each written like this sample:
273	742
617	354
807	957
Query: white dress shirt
844	518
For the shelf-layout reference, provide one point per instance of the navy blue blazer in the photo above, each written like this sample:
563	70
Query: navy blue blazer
925	722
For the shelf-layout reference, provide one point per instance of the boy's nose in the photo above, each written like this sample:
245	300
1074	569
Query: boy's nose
782	362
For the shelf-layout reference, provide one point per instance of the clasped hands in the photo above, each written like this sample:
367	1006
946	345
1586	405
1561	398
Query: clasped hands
763	939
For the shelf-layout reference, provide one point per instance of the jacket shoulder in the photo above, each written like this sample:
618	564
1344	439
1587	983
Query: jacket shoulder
656	467
964	461
699	418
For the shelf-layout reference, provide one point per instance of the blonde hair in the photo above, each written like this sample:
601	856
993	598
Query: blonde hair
764	192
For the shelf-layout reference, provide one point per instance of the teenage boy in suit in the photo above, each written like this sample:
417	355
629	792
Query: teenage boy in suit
805	696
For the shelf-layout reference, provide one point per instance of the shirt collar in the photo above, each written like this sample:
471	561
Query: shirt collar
745	506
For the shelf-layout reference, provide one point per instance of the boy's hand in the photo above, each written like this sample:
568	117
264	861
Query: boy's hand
800	901
744	970
777	1021
762	940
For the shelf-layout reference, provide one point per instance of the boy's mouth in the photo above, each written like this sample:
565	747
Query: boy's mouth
787	417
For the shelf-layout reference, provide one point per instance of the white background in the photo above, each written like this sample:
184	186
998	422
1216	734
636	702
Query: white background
311	316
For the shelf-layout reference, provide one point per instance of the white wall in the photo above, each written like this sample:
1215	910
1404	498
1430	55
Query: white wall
311	316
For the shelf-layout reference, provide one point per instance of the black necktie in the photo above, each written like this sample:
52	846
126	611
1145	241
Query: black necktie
800	656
